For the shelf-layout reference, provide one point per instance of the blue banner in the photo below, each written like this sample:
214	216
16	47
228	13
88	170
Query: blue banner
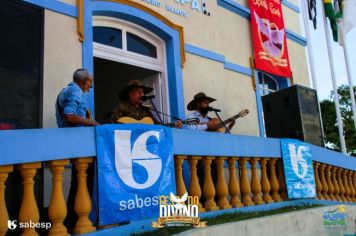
298	169
135	167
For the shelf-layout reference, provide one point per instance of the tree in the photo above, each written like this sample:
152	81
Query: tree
328	113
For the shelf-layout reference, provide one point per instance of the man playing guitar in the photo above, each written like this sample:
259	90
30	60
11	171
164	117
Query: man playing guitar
131	104
200	106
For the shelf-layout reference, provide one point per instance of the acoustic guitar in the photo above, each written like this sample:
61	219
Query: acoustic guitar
149	120
220	126
129	120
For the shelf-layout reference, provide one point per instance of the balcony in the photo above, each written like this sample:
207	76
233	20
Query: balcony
249	172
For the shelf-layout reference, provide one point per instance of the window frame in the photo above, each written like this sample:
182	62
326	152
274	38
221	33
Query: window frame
125	56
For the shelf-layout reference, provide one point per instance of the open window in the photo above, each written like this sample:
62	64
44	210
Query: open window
122	52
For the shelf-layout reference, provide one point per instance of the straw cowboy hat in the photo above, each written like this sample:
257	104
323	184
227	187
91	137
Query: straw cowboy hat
124	93
192	105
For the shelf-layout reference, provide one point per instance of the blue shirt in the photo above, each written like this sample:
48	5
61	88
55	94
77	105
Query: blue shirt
71	100
202	119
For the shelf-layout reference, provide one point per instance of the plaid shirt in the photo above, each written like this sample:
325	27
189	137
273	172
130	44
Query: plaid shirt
127	109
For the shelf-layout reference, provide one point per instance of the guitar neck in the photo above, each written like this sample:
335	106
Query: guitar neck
225	122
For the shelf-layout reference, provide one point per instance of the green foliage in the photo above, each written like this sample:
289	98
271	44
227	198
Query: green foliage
328	113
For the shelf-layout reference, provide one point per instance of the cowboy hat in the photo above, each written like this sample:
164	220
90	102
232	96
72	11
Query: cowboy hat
124	93
192	105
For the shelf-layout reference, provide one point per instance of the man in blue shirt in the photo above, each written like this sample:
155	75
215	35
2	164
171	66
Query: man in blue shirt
70	105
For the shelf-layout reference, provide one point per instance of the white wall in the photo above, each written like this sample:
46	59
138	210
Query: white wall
62	56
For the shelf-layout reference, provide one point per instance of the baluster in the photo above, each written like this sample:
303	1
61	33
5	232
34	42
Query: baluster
245	184
57	211
178	163
335	184
274	181
29	210
346	186
329	183
208	187
266	187
282	181
352	188
341	185
82	199
4	216
221	185
194	188
317	181
255	183
324	185
234	187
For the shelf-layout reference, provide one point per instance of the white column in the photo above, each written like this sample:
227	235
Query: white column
333	78
349	77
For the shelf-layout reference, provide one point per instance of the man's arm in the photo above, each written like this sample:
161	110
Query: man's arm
200	126
71	106
74	119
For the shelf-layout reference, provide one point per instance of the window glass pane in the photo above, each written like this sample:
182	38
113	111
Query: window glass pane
20	65
141	46
271	84
108	36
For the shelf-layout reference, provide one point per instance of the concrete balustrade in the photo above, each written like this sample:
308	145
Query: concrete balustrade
29	210
4	216
266	186
228	182
194	186
234	186
318	185
334	183
329	183
255	183
82	198
209	188
57	210
274	180
261	182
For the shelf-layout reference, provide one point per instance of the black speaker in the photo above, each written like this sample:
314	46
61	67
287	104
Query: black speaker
293	113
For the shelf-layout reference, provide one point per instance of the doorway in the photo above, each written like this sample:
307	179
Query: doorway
124	51
111	77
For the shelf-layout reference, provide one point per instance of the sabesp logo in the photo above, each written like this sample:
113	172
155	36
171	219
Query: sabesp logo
11	224
298	160
125	157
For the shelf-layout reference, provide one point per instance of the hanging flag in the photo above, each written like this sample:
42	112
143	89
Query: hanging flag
348	19
329	13
338	9
269	37
312	11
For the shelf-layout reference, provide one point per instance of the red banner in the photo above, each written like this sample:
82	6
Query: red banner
269	37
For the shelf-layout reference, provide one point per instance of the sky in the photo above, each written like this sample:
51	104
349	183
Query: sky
320	54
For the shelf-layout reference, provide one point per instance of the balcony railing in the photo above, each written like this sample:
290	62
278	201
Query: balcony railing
225	171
